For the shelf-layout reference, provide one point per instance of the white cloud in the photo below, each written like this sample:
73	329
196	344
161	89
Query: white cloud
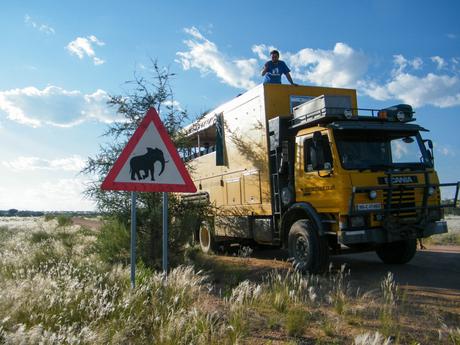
440	90
55	106
174	105
341	67
84	46
205	56
439	61
447	151
73	163
59	195
40	27
262	51
401	63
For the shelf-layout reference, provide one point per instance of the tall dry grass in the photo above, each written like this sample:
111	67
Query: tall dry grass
60	284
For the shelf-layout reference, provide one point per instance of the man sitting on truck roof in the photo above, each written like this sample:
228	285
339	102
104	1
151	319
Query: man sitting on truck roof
274	68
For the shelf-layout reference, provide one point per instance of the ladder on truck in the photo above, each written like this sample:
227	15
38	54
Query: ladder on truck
275	157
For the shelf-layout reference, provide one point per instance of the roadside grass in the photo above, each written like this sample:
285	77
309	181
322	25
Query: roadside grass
70	285
452	238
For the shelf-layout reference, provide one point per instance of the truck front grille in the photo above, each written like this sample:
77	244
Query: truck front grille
402	202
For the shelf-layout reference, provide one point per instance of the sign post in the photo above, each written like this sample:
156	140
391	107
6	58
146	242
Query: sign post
165	232
133	240
149	163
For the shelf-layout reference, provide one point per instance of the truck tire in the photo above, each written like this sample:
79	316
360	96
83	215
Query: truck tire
399	252
307	249
206	237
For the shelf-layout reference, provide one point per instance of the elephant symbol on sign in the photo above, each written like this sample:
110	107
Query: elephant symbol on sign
146	163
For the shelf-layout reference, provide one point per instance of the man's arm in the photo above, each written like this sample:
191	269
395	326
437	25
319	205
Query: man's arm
289	78
265	69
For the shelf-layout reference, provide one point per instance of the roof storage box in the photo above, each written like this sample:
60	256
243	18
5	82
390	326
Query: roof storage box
322	107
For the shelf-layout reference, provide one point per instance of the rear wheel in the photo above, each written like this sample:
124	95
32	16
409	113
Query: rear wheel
399	252
307	249
206	237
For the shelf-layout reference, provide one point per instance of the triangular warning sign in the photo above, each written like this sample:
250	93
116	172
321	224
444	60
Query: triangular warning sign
149	162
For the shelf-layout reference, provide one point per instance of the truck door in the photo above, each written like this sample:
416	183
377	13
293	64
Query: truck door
315	180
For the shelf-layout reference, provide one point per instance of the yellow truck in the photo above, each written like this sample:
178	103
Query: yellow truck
305	169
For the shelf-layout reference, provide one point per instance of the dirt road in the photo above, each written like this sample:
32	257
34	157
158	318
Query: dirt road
435	268
89	223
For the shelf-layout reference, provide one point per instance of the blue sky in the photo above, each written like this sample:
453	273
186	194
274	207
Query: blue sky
61	60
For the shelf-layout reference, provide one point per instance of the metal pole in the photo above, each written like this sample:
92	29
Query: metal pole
165	232
133	239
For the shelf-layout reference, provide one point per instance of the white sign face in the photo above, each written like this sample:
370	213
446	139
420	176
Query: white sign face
150	162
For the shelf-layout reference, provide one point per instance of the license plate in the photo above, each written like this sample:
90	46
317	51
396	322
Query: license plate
369	207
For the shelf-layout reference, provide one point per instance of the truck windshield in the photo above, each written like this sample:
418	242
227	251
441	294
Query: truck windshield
377	150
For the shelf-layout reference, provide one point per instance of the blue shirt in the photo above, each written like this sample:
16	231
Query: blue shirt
275	71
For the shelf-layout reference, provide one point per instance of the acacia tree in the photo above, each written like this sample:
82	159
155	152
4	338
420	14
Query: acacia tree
143	93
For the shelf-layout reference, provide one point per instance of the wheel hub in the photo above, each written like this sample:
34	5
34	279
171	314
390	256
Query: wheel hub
302	249
204	236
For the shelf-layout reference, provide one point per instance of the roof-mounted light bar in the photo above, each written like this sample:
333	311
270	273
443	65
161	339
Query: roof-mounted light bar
400	112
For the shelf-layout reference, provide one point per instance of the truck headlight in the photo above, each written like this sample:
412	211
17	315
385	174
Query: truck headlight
400	116
348	113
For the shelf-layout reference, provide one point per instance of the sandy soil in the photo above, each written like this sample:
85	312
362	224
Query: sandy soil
90	223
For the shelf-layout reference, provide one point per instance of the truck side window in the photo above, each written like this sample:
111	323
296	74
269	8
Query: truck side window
206	138
219	142
317	153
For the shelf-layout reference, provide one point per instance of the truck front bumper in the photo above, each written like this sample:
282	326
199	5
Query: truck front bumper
380	235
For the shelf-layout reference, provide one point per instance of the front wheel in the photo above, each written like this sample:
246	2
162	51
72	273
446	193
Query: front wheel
400	252
307	249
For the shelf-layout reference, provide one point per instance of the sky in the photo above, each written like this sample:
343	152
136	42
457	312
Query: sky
60	61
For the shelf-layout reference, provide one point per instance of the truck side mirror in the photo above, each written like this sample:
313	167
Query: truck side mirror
430	144
430	151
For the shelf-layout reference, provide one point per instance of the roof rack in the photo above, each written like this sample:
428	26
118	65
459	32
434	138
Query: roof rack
328	108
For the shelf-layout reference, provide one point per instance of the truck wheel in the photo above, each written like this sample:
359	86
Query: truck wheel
307	249
206	237
399	252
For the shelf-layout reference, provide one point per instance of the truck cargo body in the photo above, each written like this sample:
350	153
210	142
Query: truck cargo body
241	187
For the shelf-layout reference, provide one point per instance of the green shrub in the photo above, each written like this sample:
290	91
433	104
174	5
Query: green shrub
85	231
113	242
5	234
49	217
64	221
296	321
39	236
